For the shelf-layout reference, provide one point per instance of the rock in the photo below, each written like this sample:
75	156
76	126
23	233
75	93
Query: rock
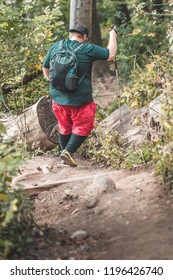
105	184
91	202
79	235
100	185
69	195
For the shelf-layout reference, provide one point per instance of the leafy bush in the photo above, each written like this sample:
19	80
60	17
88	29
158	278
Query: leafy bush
27	95
147	30
104	149
164	164
24	40
112	107
147	85
16	221
141	154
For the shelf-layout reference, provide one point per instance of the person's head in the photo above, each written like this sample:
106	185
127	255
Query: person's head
80	33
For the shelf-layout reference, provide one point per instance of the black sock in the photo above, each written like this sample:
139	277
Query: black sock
64	139
75	142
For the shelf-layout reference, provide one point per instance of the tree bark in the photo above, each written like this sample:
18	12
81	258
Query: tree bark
125	122
37	126
100	68
96	38
81	13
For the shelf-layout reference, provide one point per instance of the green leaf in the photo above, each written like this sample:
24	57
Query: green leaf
2	128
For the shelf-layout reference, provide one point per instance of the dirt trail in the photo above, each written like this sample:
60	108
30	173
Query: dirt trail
92	212
99	213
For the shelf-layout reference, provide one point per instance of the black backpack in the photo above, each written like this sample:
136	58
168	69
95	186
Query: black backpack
63	68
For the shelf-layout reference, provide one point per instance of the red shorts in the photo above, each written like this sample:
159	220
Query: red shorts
75	119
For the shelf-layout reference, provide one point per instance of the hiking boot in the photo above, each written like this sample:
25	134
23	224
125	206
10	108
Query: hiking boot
67	158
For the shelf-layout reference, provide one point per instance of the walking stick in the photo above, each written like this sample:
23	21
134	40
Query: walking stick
118	89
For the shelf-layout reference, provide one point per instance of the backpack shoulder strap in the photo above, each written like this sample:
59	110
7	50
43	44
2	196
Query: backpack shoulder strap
59	47
61	44
77	48
83	75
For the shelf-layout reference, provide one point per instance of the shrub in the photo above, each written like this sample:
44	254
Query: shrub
16	221
24	40
104	149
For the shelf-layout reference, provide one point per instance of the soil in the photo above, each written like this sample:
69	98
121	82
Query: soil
90	212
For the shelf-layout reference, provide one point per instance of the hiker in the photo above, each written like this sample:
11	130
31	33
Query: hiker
75	111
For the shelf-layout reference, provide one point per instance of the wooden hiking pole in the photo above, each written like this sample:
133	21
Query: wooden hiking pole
118	89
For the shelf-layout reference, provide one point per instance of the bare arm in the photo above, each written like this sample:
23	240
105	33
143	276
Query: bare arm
112	45
46	73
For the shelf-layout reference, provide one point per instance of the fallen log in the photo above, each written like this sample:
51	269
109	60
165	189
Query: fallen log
134	126
34	183
37	126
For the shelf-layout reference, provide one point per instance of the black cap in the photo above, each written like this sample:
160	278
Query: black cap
80	29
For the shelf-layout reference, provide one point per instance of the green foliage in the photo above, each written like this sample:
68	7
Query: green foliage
141	154
113	106
138	27
16	222
133	46
104	149
164	164
154	78
65	9
146	85
24	41
106	11
101	114
26	95
107	150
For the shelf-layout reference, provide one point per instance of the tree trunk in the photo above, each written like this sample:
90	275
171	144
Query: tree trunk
100	67
96	38
37	126
81	13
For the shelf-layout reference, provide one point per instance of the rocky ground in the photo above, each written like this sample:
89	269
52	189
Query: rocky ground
91	212
98	213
